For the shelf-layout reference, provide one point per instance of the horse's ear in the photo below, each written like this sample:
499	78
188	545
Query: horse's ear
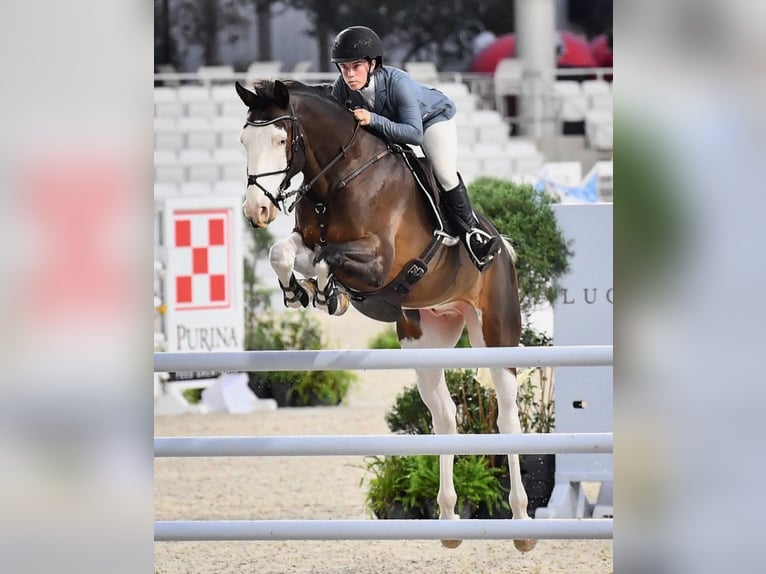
249	98
281	95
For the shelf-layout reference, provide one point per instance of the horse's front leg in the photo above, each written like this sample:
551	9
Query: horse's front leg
285	257
506	388
363	259
358	259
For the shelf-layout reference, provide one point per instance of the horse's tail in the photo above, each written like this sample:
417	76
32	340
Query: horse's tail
509	248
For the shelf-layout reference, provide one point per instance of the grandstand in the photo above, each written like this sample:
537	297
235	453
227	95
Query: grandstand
197	118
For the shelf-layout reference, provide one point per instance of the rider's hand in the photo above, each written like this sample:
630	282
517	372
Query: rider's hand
362	116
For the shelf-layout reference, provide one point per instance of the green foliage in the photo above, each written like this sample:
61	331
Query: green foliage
386	339
298	330
526	218
476	407
413	482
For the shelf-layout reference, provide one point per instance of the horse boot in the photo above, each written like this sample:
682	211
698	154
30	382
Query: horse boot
481	246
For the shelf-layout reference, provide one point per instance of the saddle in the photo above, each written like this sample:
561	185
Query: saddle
424	176
385	304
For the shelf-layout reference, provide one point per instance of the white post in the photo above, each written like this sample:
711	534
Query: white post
536	47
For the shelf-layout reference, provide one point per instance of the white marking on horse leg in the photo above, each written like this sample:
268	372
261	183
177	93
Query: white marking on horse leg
284	256
439	330
506	387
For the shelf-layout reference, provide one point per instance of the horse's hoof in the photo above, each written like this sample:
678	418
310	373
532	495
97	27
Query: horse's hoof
524	545
343	303
451	543
310	287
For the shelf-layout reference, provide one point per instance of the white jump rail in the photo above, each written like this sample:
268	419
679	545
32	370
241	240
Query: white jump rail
382	529
388	445
362	359
179	530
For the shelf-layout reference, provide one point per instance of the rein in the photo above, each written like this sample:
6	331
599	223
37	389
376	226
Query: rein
280	200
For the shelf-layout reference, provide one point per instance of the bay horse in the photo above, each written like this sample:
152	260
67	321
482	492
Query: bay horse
367	233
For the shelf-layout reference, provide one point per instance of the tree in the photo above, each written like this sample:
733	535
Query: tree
420	29
203	23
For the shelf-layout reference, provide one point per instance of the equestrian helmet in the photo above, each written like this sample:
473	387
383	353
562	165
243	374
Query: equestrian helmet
356	43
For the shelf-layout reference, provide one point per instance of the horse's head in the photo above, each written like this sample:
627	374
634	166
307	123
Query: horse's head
271	138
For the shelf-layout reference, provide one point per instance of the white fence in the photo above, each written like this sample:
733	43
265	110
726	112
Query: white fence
383	445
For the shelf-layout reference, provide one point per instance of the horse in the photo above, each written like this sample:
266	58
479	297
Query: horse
366	235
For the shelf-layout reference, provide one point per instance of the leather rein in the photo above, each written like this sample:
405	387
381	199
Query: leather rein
291	170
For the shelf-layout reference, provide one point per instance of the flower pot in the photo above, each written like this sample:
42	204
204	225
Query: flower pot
538	476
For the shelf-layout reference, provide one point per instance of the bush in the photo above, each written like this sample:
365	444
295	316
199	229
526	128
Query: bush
524	215
292	330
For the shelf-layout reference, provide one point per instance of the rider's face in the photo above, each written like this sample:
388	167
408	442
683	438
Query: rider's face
355	73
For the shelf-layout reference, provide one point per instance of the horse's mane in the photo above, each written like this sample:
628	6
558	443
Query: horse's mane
322	91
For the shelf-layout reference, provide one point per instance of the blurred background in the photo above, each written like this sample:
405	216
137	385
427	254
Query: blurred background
79	126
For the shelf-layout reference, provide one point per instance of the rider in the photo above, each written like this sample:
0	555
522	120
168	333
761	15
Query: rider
393	105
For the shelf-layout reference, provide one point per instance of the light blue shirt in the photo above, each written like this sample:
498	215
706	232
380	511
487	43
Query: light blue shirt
403	108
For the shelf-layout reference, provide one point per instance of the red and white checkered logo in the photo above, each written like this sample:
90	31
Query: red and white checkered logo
201	255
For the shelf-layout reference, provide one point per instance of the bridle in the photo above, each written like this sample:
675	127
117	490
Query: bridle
297	142
280	200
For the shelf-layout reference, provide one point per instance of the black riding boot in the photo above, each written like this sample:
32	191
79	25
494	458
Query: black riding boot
482	247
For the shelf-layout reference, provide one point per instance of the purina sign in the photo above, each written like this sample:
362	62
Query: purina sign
203	274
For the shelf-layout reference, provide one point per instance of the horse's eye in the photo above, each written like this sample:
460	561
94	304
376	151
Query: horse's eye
282	141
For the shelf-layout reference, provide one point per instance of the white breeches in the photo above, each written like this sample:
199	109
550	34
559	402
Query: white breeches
440	146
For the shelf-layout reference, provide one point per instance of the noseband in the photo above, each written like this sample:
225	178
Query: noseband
297	141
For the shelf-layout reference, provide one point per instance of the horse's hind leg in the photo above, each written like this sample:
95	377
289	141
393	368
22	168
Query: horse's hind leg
425	329
499	325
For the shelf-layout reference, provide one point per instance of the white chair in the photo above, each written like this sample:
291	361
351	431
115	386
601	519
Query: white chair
490	126
573	103
495	161
605	182
507	80
165	190
227	130
301	67
526	158
231	162
266	70
598	94
167	167
199	165
166	103
423	72
198	133
196	188
197	101
229	187
562	172
210	74
458	92
599	126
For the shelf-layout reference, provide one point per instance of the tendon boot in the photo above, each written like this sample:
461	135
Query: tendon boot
481	246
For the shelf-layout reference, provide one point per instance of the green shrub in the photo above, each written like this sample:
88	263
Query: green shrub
524	215
476	406
413	483
296	330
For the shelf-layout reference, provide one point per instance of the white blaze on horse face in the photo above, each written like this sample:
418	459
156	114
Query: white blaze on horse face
266	150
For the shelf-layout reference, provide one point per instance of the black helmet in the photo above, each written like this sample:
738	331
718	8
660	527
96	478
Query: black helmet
355	43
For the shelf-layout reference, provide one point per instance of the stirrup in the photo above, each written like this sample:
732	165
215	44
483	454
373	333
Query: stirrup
482	263
447	239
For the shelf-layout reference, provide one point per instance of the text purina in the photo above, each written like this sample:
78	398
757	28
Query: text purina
588	295
206	338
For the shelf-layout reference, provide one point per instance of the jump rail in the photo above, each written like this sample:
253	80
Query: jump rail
554	528
383	445
574	356
363	445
